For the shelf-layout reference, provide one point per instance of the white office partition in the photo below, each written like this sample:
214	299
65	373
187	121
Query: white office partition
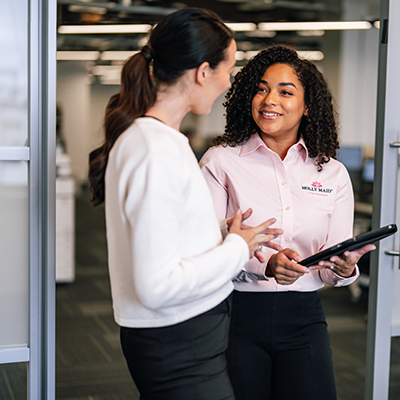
13	73
14	202
27	191
14	250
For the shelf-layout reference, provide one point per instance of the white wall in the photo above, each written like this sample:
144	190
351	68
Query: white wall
99	97
82	105
74	99
213	124
358	73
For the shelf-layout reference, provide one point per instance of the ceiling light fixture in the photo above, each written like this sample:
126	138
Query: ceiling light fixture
109	80
116	55
78	55
305	26
311	33
100	29
114	70
242	26
260	34
84	9
311	55
240	55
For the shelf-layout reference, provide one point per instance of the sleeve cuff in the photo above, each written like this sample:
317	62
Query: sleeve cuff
340	281
256	267
224	228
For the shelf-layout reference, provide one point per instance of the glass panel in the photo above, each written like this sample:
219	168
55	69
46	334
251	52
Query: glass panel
13	381
14	260
13	72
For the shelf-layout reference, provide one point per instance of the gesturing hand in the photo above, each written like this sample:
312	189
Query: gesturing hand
255	237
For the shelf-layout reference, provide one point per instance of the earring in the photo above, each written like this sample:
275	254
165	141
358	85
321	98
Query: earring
306	113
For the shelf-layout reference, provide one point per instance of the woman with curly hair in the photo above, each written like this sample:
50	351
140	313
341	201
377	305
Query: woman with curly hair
278	154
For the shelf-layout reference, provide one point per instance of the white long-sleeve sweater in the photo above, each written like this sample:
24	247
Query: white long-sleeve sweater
167	260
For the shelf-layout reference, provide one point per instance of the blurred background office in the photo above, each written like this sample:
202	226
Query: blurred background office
94	38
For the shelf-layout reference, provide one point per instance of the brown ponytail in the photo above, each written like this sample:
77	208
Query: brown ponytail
136	96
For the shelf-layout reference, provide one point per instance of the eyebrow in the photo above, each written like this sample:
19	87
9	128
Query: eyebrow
281	84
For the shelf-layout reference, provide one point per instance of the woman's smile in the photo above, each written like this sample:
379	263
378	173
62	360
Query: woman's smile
270	115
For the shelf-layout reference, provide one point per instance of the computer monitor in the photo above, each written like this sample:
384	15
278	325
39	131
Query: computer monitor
368	171
351	157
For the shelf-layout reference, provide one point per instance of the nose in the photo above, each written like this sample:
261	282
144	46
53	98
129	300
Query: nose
271	98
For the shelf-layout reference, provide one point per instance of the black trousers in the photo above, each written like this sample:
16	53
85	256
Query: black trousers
185	361
279	347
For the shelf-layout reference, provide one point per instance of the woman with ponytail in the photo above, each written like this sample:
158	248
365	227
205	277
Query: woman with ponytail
171	270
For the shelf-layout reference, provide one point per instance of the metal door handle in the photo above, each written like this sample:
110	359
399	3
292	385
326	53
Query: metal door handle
394	253
394	144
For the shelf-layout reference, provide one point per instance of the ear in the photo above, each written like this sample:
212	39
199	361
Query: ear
202	73
305	112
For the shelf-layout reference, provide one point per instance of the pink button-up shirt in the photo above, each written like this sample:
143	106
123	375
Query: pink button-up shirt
314	209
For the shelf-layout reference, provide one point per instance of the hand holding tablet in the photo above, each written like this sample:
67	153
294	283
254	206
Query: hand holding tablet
349	245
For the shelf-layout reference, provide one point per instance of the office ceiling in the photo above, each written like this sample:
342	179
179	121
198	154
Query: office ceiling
72	12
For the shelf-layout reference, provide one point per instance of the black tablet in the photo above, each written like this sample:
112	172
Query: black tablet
350	244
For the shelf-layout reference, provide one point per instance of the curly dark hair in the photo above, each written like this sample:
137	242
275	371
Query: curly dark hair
318	128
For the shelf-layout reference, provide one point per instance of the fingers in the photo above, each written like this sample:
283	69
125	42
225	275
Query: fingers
345	264
285	268
236	221
353	256
260	257
273	246
255	237
287	276
361	251
247	214
262	228
293	269
347	260
266	239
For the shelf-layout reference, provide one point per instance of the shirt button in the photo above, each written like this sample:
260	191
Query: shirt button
283	183
286	239
288	208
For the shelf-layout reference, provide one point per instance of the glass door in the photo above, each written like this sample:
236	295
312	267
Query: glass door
384	301
27	180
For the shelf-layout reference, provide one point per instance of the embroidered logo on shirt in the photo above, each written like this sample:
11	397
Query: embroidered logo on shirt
316	184
317	188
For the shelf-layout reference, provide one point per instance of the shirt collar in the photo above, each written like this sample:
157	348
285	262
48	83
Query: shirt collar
255	142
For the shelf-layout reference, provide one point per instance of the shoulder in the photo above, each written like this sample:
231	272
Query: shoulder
147	142
155	134
337	167
147	136
336	173
219	154
332	166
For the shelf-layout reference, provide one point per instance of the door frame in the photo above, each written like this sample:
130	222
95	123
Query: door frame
380	329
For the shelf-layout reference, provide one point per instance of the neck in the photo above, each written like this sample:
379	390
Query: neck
170	107
279	145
